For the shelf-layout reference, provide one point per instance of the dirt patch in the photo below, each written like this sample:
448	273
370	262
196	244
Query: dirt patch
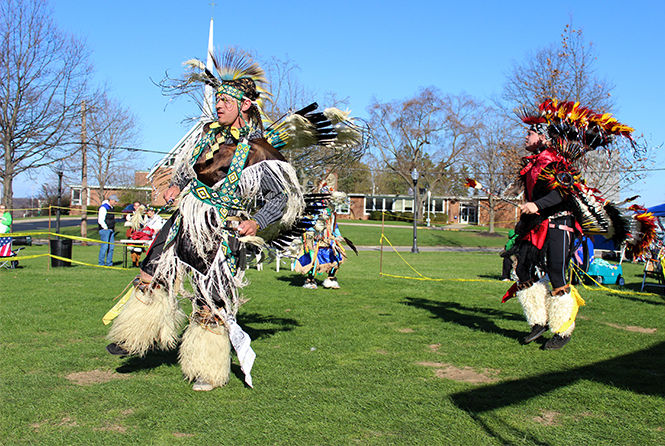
406	330
463	374
93	377
181	435
632	328
382	351
112	428
66	421
547	418
434	347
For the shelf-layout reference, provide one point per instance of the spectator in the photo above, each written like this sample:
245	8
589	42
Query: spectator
509	257
5	220
106	224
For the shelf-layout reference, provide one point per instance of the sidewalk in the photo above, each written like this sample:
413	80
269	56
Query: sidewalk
429	248
450	227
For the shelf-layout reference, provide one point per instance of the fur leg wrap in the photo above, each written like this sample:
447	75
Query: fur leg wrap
561	309
205	354
533	303
148	318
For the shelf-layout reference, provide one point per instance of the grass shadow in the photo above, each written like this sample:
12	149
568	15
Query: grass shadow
152	360
293	279
496	277
443	239
475	318
274	325
641	372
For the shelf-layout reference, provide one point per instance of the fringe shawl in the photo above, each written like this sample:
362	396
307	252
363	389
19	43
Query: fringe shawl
203	226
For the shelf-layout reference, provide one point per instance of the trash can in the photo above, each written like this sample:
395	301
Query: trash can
61	247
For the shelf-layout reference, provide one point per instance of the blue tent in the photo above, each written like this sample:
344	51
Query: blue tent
658	211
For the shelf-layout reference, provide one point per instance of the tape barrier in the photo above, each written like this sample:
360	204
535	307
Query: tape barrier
73	237
600	287
78	210
35	256
575	269
421	276
55	234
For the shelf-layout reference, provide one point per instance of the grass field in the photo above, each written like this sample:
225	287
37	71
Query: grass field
380	361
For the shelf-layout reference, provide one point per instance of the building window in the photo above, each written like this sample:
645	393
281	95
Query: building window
369	204
76	197
342	208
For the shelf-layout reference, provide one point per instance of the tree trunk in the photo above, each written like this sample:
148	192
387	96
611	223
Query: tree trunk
491	212
7	186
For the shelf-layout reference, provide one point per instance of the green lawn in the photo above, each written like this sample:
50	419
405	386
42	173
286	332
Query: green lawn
380	361
370	234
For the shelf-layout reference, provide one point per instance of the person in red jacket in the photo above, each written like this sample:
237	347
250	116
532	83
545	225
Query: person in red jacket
558	205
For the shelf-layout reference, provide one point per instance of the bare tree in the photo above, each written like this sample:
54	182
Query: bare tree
288	94
111	130
43	74
491	158
428	132
567	71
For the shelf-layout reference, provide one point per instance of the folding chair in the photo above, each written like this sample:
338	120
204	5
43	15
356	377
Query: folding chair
653	268
6	253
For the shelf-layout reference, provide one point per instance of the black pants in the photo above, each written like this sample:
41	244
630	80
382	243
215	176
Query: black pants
507	267
556	253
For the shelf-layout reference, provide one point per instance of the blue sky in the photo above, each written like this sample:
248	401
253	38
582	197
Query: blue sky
367	49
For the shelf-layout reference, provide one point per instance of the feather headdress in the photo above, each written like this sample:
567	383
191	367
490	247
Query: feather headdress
235	69
574	129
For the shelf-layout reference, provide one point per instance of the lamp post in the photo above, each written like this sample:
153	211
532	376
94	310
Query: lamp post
429	200
414	177
57	212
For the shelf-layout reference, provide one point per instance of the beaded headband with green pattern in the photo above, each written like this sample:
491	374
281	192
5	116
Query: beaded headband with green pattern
231	91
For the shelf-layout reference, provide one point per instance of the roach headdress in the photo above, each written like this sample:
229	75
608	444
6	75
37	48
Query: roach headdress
573	129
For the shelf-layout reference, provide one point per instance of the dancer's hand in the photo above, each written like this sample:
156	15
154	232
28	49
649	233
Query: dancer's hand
171	193
248	227
529	208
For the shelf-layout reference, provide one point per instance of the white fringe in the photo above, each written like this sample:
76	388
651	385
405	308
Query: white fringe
205	354
560	310
533	303
286	178
148	319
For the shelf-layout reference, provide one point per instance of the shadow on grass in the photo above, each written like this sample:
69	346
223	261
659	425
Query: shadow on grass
640	372
152	360
293	279
475	318
444	240
496	277
276	324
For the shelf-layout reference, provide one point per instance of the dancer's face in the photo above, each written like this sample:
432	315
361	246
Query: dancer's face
227	110
534	141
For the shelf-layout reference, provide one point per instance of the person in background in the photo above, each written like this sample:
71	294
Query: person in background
509	257
5	220
153	220
106	224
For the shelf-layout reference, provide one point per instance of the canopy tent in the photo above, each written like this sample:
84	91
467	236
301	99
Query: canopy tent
658	211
